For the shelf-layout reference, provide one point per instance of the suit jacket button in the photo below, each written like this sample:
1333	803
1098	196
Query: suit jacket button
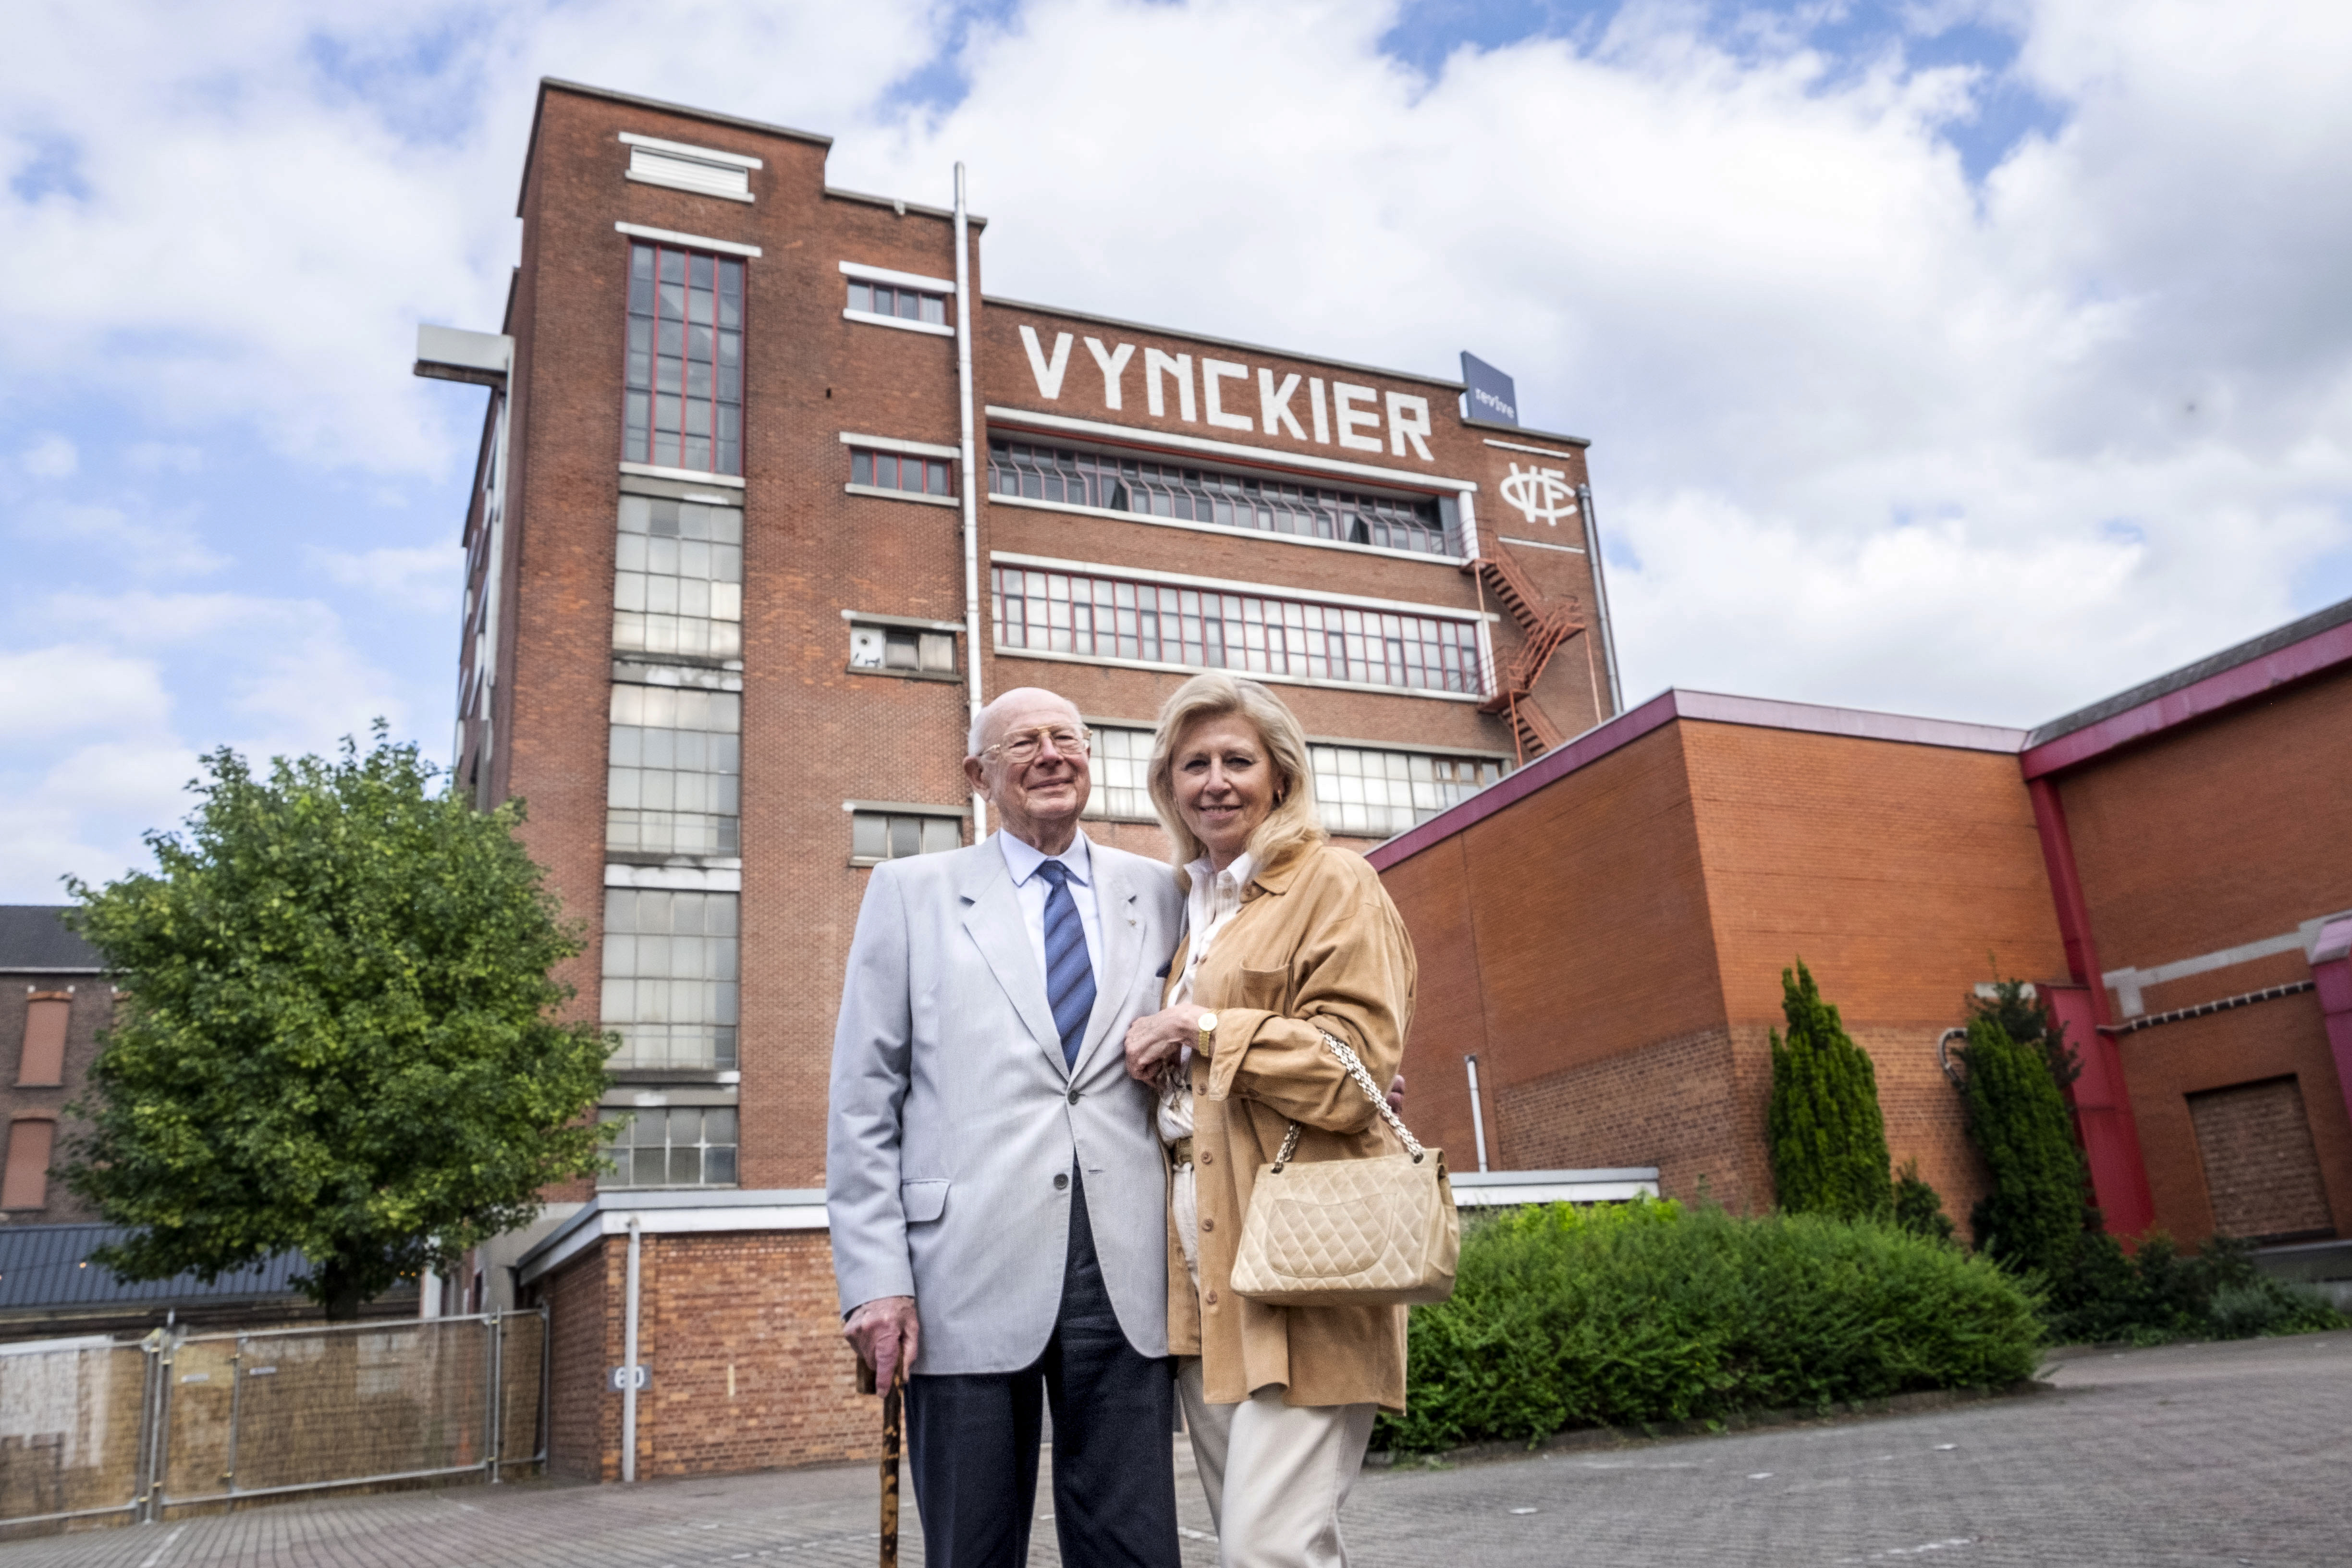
1211	1297
1062	1181
1208	1224
1073	1097
1207	1158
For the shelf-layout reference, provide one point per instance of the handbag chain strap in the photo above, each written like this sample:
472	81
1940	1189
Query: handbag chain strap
1355	1066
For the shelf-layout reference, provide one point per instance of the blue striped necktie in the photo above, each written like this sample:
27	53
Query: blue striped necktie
1069	972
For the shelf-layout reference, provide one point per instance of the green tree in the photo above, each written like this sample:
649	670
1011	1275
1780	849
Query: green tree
1918	1207
1827	1137
339	1033
2024	1017
2033	1217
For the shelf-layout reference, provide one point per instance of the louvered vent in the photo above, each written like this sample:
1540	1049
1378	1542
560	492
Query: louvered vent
705	171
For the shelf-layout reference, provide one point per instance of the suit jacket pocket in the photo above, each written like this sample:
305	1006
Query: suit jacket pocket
1266	990
923	1201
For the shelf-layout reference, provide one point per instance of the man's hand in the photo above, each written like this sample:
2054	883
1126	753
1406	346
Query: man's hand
885	1333
1155	1041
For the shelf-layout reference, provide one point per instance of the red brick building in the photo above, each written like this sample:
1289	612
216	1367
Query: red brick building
54	999
770	495
1605	931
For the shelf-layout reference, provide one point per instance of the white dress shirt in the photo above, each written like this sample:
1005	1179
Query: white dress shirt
1209	908
1022	860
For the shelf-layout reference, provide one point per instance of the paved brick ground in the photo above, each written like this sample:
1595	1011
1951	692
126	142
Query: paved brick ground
2195	1454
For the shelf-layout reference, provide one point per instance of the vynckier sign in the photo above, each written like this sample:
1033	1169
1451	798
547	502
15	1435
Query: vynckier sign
1228	395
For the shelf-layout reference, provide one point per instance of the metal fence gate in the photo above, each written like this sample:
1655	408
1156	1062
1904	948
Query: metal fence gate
95	1428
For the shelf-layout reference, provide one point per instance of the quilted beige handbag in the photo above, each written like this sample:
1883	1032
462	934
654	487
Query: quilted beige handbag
1378	1231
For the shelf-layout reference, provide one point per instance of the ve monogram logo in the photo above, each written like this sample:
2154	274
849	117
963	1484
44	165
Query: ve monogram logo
1542	495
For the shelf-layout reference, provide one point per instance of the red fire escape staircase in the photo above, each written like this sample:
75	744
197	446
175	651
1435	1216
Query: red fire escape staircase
1545	625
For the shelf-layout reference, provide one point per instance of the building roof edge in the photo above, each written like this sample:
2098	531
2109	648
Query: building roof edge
1704	706
1501	430
613	94
2302	648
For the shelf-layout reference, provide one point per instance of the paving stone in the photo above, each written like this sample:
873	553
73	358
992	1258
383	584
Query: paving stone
2220	1454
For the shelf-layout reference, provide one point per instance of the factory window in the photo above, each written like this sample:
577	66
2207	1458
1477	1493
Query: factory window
895	650
25	1185
43	1063
1375	793
1105	617
673	784
670	977
678	583
1212	496
683	402
906	304
673	1146
1122	761
900	471
879	836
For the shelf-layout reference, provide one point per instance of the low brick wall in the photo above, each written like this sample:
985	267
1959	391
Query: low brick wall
744	1338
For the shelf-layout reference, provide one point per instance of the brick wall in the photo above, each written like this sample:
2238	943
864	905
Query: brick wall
742	1336
90	1008
1611	946
2262	1174
2215	833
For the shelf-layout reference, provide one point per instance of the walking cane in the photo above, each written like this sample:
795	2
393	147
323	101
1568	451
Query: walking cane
892	1410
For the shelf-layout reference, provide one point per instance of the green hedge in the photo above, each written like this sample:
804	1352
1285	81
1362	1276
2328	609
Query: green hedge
1647	1313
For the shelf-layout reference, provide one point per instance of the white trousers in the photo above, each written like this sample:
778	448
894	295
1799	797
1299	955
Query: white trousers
1276	1475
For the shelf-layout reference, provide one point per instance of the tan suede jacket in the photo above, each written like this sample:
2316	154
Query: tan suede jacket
1317	944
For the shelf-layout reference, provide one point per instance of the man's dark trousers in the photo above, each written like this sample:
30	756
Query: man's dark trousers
972	1441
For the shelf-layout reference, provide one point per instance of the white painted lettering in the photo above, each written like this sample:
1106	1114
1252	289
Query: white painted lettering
1155	363
1315	407
1274	407
1049	376
1409	421
1113	365
1345	395
1213	371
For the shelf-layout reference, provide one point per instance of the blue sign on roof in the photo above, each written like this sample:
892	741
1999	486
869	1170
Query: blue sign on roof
1492	394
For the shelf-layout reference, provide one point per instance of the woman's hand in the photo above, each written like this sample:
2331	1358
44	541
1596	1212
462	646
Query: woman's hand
1153	1042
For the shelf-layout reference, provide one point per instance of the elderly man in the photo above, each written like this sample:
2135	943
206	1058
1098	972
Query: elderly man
995	1183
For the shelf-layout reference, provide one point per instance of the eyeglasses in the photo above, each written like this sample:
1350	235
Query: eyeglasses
1023	748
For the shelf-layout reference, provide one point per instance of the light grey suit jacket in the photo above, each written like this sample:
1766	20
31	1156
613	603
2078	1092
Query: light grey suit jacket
952	1112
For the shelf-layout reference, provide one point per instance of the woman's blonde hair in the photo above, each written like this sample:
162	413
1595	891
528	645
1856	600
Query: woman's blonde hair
1293	824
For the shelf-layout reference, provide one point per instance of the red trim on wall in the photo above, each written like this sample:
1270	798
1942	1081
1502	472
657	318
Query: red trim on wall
2102	1100
2215	693
2331	972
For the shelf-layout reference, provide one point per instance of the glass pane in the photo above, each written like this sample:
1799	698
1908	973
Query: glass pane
941	833
869	838
645	1167
886	471
910	305
861	296
718	1167
861	468
906	836
685	1167
935	309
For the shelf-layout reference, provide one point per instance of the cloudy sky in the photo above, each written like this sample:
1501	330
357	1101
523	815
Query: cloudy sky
1963	357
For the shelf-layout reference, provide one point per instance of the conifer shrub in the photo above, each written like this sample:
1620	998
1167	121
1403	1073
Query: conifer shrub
1826	1135
2030	1218
1919	1208
1642	1313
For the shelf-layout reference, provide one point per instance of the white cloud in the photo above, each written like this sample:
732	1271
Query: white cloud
165	456
420	578
1865	431
73	687
50	456
162	545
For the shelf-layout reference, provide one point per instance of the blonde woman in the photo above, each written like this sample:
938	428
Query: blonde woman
1286	939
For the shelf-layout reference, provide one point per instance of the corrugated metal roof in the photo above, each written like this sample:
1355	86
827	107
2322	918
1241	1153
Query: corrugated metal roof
34	940
47	1266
